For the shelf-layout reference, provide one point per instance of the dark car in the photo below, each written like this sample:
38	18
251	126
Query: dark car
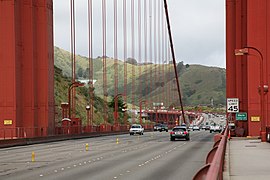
161	127
207	127
179	132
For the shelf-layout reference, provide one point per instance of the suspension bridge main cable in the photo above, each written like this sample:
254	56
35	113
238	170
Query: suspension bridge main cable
173	56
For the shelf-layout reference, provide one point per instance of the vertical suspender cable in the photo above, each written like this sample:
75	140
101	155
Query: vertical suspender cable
171	78
140	50
71	49
159	53
73	56
155	50
90	51
133	56
115	64
145	52
166	69
162	55
150	47
125	53
174	61
104	60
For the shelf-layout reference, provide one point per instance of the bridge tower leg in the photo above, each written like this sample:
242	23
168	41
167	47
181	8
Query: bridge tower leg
27	67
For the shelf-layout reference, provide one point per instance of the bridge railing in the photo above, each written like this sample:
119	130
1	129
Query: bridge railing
22	132
213	168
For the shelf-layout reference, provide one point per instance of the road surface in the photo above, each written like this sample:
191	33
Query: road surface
150	156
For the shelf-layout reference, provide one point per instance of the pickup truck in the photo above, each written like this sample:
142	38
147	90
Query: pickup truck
215	128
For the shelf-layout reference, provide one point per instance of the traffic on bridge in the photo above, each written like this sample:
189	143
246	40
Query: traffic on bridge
120	104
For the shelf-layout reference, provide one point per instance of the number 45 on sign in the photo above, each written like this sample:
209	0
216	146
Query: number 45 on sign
232	105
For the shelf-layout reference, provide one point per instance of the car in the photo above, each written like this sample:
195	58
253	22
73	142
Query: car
156	127
161	127
203	127
136	129
179	132
207	127
215	128
195	128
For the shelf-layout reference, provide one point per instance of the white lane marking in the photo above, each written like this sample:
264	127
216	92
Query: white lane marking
41	175
115	177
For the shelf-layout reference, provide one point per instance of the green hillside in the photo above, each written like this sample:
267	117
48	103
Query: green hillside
199	84
62	83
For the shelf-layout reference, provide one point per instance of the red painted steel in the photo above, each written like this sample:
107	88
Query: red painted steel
213	169
26	64
247	25
257	32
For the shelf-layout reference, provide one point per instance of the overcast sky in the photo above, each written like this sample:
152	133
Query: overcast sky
198	29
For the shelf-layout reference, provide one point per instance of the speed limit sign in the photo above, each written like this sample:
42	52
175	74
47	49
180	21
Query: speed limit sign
232	105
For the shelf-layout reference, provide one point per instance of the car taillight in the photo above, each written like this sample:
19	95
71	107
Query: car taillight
185	132
171	132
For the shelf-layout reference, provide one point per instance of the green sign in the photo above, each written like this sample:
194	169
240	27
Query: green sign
242	116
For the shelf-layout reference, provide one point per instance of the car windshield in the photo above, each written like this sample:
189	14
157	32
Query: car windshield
178	129
135	126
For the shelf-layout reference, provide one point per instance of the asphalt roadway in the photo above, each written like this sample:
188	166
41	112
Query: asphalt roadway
150	156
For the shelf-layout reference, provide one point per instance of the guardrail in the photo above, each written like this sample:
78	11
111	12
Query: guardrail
23	133
213	168
25	136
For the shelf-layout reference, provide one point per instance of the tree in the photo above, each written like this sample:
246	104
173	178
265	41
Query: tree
180	67
86	73
80	72
121	104
132	61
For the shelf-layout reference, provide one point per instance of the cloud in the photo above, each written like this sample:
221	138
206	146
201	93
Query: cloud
198	29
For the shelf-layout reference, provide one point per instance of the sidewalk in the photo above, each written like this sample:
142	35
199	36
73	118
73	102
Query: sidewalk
247	159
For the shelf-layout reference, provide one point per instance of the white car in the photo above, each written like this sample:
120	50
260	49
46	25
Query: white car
195	128
136	129
215	128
